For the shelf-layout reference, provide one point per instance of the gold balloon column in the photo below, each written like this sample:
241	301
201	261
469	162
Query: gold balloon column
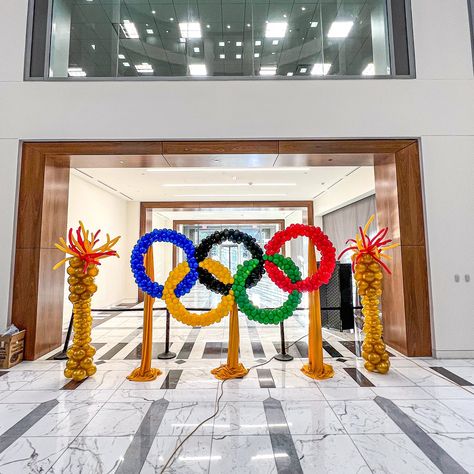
367	265
82	270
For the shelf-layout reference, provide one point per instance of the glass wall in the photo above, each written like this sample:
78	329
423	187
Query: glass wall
219	38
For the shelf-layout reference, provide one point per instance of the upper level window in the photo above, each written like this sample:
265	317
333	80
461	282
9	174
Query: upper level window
216	38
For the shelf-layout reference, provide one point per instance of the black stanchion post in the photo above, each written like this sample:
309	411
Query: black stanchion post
63	354
282	355
167	354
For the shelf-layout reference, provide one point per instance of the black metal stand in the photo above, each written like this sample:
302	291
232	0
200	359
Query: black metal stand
167	354
283	356
63	354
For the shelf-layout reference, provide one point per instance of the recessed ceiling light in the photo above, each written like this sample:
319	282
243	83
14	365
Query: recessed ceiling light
320	69
125	64
208	26
284	16
149	31
129	29
197	69
314	24
190	30
275	42
196	49
93	46
121	56
181	40
222	56
238	43
171	19
144	68
153	12
256	55
289	74
303	70
276	29
238	56
340	29
258	43
369	70
303	8
268	70
228	27
221	43
76	72
248	25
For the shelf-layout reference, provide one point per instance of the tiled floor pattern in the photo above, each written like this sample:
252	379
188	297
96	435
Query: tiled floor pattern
419	418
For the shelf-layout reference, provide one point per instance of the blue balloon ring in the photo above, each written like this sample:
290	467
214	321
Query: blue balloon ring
144	282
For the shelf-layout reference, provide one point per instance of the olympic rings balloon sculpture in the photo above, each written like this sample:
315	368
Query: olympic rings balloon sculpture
217	278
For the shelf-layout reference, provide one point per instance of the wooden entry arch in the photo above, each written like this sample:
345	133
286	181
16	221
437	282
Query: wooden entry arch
42	216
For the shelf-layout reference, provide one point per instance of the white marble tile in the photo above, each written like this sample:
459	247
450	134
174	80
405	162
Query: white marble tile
311	418
291	378
460	446
85	396
32	455
117	419
4	394
403	393
92	456
12	413
329	454
435	417
449	392
65	419
446	362
341	379
136	385
241	419
466	373
51	380
363	416
104	380
41	365
5	385
393	454
31	396
464	408
423	377
390	379
301	394
249	381
193	457
243	455
21	376
347	393
182	418
197	379
237	394
136	395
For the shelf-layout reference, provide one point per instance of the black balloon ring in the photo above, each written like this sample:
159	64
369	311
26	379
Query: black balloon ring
238	237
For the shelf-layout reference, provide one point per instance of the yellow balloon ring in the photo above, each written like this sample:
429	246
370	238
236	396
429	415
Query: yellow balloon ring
177	309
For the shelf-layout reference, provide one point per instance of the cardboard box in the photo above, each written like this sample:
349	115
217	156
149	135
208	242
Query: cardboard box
11	349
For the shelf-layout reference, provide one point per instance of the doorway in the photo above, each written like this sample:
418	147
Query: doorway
42	216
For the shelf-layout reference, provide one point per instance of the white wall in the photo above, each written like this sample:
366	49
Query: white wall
99	209
437	107
162	251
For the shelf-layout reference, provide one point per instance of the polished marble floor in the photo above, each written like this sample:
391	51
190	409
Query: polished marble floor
419	418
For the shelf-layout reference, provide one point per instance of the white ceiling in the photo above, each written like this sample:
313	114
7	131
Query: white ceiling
210	184
229	214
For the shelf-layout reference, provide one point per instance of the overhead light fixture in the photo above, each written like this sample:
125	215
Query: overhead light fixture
238	56
248	25
275	42
256	55
76	72
126	64
192	185
149	31
93	46
144	68
208	26
303	70
129	29
238	43
207	169
268	70
121	56
289	74
303	9
258	43
276	29
182	40
230	195
369	70
314	24
197	69
221	43
285	15
196	49
153	12
222	56
340	29
228	27
171	19
320	69
190	30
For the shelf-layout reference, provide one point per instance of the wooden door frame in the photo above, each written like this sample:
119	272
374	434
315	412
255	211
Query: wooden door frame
37	299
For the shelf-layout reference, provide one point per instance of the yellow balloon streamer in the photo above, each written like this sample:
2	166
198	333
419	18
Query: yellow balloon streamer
233	368
315	368
145	373
82	269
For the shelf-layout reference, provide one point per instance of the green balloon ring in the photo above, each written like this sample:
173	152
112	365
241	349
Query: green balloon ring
267	316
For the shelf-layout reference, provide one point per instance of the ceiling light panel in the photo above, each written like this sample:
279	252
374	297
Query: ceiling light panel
320	69
276	29
340	29
369	70
198	70
190	30
129	29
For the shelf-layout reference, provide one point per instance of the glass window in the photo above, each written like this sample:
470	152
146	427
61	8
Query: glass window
219	38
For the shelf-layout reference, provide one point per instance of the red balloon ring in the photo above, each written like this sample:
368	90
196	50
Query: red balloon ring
322	244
